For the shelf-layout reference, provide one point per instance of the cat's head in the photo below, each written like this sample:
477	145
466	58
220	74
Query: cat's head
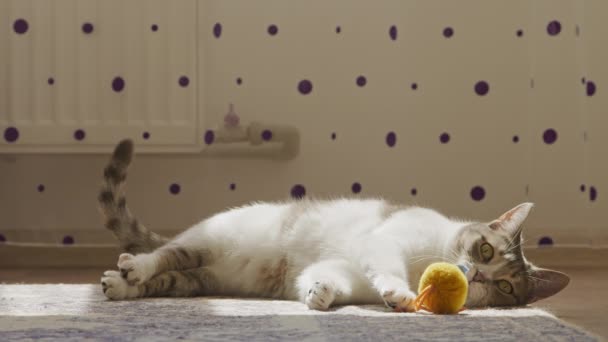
499	274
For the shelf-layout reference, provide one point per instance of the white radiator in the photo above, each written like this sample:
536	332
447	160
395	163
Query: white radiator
78	75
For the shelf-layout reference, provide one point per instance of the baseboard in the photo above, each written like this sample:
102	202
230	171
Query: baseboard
567	257
30	255
104	256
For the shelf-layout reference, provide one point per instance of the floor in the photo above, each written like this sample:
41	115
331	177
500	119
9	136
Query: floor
76	312
582	303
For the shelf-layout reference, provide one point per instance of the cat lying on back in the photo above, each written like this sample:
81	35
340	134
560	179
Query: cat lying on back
322	253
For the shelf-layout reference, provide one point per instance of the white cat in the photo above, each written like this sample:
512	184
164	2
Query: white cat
323	253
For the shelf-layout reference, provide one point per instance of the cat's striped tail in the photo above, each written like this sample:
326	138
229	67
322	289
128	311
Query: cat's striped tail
132	235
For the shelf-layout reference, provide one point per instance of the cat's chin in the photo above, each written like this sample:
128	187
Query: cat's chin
475	296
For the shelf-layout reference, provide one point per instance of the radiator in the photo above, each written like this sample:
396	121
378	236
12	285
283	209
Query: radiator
78	75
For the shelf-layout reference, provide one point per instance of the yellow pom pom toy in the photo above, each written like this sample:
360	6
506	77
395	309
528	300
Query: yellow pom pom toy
443	289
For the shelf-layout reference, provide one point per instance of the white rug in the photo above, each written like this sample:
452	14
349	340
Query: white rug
81	312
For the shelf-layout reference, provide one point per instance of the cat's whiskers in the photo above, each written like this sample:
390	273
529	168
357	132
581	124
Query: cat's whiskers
510	247
424	257
454	254
516	235
536	278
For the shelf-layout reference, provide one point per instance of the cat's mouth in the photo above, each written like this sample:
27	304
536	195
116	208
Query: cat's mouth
476	276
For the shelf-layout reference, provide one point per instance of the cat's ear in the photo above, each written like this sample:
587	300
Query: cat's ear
512	219
545	283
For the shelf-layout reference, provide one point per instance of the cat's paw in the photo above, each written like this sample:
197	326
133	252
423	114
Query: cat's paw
400	299
115	287
320	296
133	268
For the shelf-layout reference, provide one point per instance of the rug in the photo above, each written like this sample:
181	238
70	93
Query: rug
81	313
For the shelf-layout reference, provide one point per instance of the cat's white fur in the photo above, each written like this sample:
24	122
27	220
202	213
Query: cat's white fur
351	232
354	236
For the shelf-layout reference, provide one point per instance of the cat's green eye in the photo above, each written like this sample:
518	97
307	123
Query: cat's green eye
486	251
505	286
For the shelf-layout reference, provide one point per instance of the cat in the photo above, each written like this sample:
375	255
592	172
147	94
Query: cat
320	252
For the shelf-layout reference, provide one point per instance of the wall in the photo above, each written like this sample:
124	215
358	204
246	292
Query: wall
469	107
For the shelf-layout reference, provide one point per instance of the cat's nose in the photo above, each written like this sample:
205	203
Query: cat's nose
479	277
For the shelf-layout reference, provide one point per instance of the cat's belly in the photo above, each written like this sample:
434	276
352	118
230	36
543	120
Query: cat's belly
277	278
255	277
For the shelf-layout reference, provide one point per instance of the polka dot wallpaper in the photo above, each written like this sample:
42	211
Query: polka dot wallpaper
469	107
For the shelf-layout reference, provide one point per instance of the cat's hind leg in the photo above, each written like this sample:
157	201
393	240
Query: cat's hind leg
187	283
137	269
325	283
115	287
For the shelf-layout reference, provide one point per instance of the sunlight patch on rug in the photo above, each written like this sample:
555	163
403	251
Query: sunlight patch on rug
77	312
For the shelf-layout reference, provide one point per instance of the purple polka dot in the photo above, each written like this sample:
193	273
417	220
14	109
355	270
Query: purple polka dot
478	193
87	28
273	29
545	241
356	188
582	187
414	86
11	134
118	84
146	135
554	28
482	88
515	139
592	193
267	135
154	27
232	186
20	26
444	138
520	33
239	81
333	136
590	88
448	32
68	240
175	188
184	81
209	137
40	188
550	136
305	87
361	81
392	32
298	191
414	191
2	238
50	81
217	30
79	134
338	29
391	139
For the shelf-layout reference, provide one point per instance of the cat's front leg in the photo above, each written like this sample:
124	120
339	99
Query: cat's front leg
322	284
383	264
395	292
